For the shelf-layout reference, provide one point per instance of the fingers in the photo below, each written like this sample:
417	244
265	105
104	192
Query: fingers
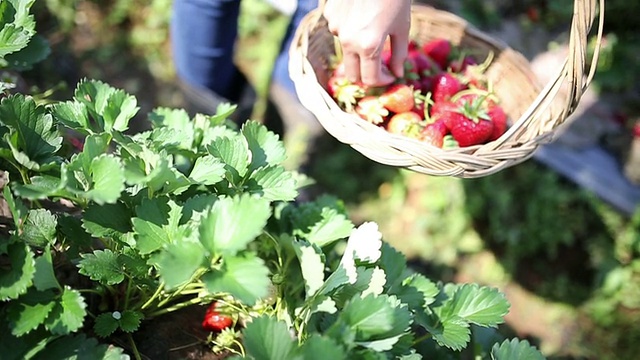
399	52
351	62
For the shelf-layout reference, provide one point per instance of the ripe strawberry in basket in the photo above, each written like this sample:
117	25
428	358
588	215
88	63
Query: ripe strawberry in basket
434	133
469	124
344	91
406	123
398	98
445	86
499	118
371	109
439	50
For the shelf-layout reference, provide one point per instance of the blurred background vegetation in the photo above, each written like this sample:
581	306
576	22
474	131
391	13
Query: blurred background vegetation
568	262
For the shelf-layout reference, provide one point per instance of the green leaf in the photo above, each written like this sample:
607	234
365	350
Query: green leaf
451	332
73	115
28	312
207	170
120	108
375	318
68	314
515	349
394	264
482	306
33	138
273	183
156	224
177	262
105	324
102	266
111	108
42	187
17	208
108	220
107	174
45	278
417	291
265	146
233	223
377	282
320	222
317	347
312	266
234	153
19	277
266	338
36	50
79	347
246	278
40	228
13	38
130	321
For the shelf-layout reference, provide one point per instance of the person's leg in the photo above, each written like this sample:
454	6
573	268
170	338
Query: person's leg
203	35
281	68
301	128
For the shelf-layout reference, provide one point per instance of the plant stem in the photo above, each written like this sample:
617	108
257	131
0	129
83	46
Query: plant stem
179	306
195	276
421	339
136	353
127	295
153	297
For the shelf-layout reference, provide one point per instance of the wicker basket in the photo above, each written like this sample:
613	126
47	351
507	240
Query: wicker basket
536	111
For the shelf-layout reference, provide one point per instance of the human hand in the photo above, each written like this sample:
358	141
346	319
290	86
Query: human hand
362	27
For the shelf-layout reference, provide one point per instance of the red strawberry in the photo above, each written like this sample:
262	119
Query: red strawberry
439	50
433	134
499	119
398	98
406	123
470	124
446	85
422	62
439	110
371	109
214	321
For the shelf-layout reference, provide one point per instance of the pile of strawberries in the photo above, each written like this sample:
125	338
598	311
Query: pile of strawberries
443	98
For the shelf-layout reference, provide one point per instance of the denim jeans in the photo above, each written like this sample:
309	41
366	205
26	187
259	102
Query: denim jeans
203	34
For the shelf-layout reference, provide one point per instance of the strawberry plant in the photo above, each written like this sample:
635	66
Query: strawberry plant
103	230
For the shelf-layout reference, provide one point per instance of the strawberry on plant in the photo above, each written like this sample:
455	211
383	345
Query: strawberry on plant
398	98
406	123
439	50
445	86
371	109
214	321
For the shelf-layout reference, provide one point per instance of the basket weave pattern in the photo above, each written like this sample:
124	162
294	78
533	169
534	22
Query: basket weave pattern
536	111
